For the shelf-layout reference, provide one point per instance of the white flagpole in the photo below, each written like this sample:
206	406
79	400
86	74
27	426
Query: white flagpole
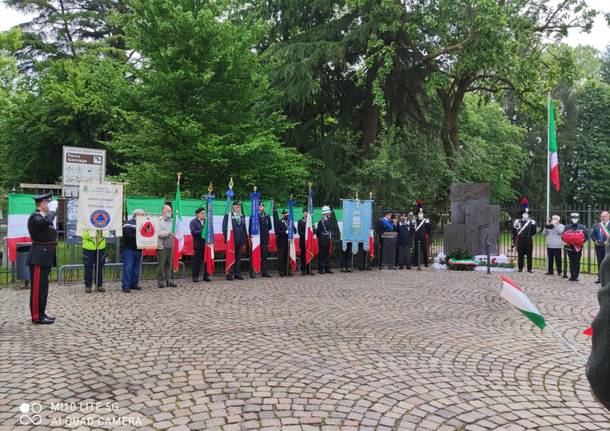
548	158
567	343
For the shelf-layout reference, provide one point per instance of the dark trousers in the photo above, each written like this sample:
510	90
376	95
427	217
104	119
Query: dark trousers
380	251
346	257
524	247
323	255
236	270
303	258
264	257
404	255
600	253
89	261
363	258
420	252
574	263
282	255
553	255
198	263
39	277
131	268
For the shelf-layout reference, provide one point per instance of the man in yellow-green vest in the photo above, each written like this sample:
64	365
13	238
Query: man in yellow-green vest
94	254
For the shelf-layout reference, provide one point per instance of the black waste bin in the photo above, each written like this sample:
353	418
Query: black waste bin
22	270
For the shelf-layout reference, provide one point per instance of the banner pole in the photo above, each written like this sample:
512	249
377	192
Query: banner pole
567	343
548	158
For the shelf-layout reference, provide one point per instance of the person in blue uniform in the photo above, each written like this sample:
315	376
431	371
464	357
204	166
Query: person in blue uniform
405	241
301	228
264	226
42	256
384	224
196	226
574	250
599	236
240	237
323	232
282	226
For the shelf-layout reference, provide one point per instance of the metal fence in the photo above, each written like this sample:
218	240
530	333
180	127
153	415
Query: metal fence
69	250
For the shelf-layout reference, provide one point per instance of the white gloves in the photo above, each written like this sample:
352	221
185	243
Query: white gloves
53	206
427	220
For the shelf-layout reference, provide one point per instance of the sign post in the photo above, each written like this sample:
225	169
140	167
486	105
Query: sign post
82	164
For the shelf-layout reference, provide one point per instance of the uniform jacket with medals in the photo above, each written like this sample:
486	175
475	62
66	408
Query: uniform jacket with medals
264	226
421	230
196	228
44	239
240	235
405	233
281	230
323	231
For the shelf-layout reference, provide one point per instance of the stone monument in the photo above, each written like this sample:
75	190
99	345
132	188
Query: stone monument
474	222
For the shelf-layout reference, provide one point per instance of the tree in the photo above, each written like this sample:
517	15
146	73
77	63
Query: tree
198	105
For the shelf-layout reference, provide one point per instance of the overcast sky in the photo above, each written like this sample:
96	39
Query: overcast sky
599	36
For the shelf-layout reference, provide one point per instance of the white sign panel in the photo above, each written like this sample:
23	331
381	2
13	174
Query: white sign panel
147	231
82	164
100	207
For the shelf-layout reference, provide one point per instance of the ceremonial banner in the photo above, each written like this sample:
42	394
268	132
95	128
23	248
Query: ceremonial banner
147	232
357	223
255	235
208	257
100	207
20	206
177	229
291	241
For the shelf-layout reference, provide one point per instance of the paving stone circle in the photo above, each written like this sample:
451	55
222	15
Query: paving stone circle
392	350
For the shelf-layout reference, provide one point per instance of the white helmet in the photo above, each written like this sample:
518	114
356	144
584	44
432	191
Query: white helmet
326	209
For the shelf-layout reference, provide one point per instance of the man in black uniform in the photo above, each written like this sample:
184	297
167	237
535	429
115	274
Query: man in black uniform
421	236
41	257
324	241
405	241
240	237
572	230
281	227
197	225
301	227
264	226
384	225
523	231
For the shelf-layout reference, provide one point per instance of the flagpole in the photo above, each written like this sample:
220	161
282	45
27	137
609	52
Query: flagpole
567	343
548	157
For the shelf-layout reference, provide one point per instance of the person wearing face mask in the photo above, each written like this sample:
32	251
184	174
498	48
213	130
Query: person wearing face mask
405	241
599	236
421	236
574	236
552	233
166	247
324	241
281	226
523	231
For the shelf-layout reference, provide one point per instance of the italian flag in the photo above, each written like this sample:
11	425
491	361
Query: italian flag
372	243
20	207
229	241
310	243
177	229
208	257
255	234
553	161
516	297
292	250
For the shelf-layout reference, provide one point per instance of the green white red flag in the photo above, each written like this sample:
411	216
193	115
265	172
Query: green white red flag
177	230
553	160
517	297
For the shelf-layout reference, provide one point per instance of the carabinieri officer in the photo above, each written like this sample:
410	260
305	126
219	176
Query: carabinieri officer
41	257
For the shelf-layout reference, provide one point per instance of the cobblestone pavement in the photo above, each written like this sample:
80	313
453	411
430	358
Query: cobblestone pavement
392	350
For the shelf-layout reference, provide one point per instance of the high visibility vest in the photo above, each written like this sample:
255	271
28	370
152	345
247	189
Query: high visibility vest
97	242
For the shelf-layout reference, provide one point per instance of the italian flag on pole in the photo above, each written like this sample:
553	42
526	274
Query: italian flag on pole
19	209
177	229
516	297
553	161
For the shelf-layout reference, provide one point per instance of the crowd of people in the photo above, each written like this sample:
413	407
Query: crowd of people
571	237
402	241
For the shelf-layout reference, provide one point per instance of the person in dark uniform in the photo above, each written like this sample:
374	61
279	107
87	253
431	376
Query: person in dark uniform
264	226
574	236
421	237
599	236
240	237
405	241
383	225
196	226
523	231
41	257
324	241
346	258
281	226
301	226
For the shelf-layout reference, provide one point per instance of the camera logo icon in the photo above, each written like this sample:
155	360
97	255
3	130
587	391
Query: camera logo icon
30	414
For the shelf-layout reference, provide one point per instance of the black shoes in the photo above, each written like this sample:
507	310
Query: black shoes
44	320
195	280
239	277
328	271
161	286
126	290
266	274
598	281
230	277
529	270
170	284
100	289
207	279
87	289
548	273
136	288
